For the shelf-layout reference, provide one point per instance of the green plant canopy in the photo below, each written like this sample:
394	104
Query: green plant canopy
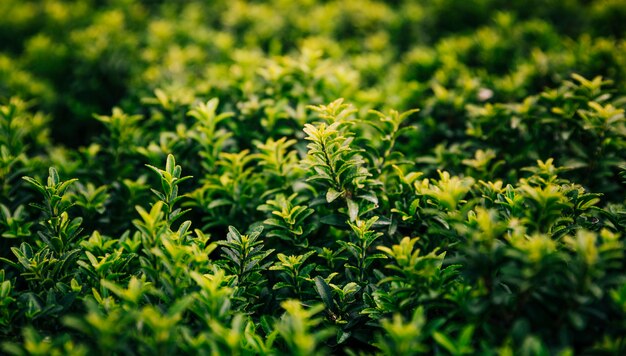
312	177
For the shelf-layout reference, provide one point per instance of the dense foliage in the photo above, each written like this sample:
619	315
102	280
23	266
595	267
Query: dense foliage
311	177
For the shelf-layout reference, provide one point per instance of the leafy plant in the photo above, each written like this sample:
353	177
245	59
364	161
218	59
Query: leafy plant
245	256
360	177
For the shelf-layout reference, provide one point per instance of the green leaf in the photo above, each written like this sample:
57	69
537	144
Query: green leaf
5	289
445	342
332	195
334	220
323	289
353	209
280	285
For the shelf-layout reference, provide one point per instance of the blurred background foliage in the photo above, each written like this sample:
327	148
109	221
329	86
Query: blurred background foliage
80	57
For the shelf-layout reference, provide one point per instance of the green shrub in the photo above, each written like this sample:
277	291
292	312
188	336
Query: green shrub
312	177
